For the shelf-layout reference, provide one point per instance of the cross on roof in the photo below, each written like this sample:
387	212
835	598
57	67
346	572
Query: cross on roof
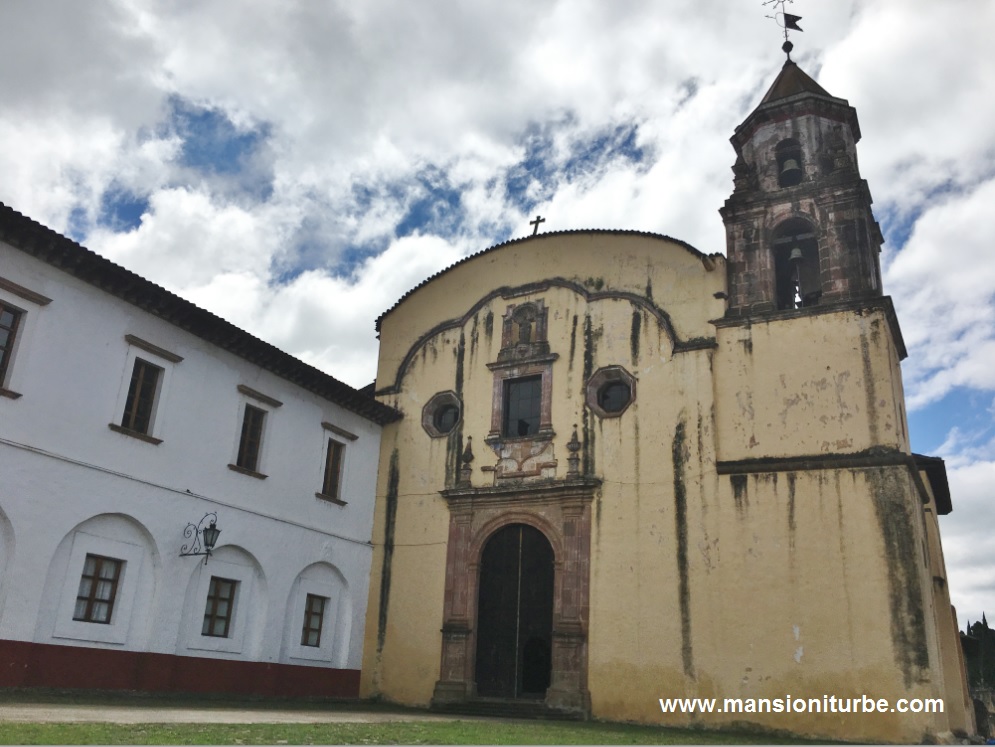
539	219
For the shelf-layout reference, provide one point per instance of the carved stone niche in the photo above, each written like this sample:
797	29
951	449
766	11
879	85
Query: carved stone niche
523	332
561	510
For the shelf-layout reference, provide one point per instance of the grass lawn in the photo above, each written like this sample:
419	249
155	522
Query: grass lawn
455	731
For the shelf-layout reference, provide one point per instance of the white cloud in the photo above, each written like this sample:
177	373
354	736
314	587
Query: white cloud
944	284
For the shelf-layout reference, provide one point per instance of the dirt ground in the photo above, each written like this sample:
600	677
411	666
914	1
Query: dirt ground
165	714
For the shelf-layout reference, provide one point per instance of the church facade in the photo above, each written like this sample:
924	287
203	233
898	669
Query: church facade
630	471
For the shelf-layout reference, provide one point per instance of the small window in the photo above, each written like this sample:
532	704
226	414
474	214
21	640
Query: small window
220	604
446	418
441	414
610	391
314	616
333	469
140	405
522	406
9	320
251	440
614	396
97	589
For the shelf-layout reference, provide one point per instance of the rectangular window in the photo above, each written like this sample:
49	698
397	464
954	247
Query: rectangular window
9	320
220	603
140	405
252	436
314	615
97	589
522	406
333	469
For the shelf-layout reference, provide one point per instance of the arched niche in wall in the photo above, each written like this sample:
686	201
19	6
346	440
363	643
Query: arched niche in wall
225	606
797	276
101	584
318	618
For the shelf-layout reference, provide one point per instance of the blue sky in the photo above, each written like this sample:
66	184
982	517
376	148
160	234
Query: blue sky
296	167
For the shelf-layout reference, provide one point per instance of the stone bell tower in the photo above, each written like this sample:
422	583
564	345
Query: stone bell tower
799	227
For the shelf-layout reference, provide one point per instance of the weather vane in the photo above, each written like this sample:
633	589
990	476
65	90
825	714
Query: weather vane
786	21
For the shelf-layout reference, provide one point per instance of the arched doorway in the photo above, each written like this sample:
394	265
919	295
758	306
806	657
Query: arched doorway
515	614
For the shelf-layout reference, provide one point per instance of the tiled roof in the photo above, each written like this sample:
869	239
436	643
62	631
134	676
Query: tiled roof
48	246
790	81
510	242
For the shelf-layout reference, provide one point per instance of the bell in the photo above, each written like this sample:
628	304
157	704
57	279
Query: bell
796	255
791	172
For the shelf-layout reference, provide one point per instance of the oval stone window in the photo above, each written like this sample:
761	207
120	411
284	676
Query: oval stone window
610	391
441	414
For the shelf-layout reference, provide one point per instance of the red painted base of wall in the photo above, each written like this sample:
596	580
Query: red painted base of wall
25	664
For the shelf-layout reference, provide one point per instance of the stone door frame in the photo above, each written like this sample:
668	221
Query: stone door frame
561	510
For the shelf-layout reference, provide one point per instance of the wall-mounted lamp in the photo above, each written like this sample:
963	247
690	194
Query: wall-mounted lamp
202	539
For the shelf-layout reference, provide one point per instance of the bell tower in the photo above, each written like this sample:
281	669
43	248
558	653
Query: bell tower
799	227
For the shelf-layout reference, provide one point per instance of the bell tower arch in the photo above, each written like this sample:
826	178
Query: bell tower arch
799	226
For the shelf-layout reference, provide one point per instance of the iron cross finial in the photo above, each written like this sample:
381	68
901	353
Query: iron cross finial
539	219
786	21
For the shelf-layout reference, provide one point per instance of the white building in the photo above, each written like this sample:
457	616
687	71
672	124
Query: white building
127	413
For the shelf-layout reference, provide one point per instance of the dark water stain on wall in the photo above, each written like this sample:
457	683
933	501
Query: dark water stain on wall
587	456
739	493
489	325
791	510
637	323
454	442
892	496
679	453
460	358
573	343
454	453
390	520
473	337
871	396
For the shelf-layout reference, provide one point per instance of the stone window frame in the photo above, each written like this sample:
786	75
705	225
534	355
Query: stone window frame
142	353
7	350
602	377
503	372
432	407
24	303
143	391
331	486
254	419
250	442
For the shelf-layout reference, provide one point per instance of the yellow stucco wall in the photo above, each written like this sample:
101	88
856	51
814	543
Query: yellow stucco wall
762	582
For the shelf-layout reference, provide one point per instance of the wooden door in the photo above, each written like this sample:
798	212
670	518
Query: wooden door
515	614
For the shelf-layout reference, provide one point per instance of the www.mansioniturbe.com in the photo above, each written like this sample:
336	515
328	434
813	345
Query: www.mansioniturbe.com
787	704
